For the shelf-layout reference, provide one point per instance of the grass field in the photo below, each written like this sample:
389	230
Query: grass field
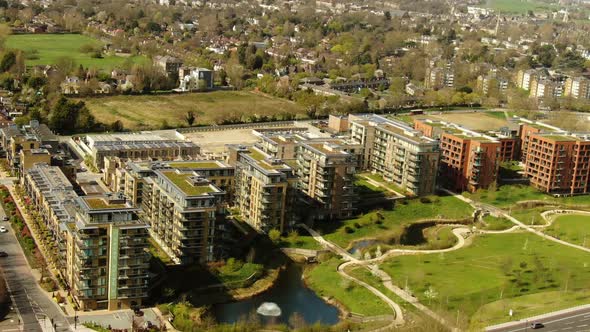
517	6
45	49
492	268
471	120
150	111
388	225
572	228
326	282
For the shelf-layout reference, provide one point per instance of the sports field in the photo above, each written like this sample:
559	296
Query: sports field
150	111
493	268
46	49
517	6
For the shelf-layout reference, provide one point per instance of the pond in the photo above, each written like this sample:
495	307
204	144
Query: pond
290	294
413	235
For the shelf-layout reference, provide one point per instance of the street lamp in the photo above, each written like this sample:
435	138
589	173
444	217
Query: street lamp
75	319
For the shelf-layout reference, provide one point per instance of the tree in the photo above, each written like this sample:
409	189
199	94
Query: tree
274	235
70	117
8	60
190	118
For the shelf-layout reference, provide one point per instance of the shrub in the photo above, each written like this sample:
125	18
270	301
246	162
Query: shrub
357	225
425	200
348	230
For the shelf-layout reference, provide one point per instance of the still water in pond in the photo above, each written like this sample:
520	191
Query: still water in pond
413	235
290	294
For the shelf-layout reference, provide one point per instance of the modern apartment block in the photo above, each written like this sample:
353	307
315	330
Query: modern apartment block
469	160
144	146
33	141
107	255
101	243
325	172
524	78
555	160
280	146
182	208
263	188
545	88
398	152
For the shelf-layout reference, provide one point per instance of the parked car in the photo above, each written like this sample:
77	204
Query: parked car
3	254
537	325
5	218
3	229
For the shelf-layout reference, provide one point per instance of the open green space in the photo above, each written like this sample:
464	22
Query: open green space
388	225
154	111
378	178
496	224
47	49
507	195
326	282
492	268
518	6
300	242
573	228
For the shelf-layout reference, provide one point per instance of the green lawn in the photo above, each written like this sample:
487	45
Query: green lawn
45	49
508	195
378	178
150	111
497	224
572	228
492	268
326	282
517	6
388	225
301	242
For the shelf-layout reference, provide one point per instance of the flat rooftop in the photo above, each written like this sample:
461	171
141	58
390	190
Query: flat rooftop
185	182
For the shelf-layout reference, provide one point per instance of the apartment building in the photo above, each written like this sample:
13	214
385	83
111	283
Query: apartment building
325	172
100	242
489	82
527	129
281	146
107	259
263	188
182	208
525	77
437	78
54	197
577	88
469	160
143	146
558	162
33	140
396	151
545	88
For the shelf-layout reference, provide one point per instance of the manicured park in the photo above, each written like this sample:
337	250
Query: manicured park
492	268
573	228
388	225
517	6
47	49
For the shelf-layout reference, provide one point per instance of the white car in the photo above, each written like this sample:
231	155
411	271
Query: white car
3	229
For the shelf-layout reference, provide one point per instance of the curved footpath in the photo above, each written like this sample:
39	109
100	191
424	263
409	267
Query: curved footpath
371	264
515	221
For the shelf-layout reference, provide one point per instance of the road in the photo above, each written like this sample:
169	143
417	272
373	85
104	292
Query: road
576	320
29	299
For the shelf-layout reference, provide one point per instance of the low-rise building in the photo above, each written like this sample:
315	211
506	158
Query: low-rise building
143	146
577	88
195	79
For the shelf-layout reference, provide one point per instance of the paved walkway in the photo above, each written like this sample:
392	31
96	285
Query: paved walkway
371	264
529	228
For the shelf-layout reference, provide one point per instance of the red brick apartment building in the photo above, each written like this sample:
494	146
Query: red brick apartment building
469	160
558	162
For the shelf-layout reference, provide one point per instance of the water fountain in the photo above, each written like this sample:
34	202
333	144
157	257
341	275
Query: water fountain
269	309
